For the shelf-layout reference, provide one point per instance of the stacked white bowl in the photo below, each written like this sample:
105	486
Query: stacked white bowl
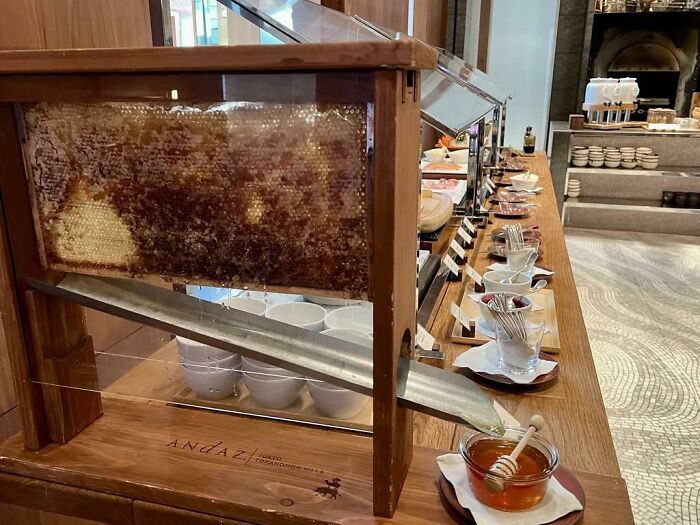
210	372
628	157
272	386
649	161
642	150
334	401
612	157
573	188
596	156
579	156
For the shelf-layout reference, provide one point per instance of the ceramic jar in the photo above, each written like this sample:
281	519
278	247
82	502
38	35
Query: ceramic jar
629	89
612	91
594	91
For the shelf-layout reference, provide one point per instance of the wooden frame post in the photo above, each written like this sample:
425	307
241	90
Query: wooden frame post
394	195
46	337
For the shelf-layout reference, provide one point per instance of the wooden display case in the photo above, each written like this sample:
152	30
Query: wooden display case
126	163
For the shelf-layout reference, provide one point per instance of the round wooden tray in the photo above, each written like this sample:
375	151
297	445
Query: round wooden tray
563	475
503	380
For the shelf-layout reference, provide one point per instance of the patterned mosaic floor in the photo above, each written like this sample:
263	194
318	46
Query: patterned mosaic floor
640	296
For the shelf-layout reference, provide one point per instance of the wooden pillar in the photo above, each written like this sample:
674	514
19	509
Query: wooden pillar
394	193
46	337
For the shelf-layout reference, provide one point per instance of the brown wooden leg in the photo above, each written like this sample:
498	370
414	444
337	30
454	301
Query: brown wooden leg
66	359
29	397
393	276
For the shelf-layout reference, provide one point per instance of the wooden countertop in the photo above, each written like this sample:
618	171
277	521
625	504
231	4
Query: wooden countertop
576	420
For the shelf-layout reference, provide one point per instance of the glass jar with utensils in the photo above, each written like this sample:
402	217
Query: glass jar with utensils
519	249
518	341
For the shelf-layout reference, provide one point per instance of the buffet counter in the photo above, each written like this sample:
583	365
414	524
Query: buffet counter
573	406
162	464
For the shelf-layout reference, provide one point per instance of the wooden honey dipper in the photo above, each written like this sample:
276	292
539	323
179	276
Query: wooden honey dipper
507	466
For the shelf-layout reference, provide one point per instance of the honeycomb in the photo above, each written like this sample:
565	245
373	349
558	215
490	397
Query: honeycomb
228	194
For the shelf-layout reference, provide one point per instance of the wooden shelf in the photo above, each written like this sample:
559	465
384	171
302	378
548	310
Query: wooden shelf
209	462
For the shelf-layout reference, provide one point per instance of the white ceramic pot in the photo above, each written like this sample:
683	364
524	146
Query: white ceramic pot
460	156
521	284
612	90
594	93
359	318
263	371
630	89
273	393
435	155
526	181
211	383
336	402
304	315
195	352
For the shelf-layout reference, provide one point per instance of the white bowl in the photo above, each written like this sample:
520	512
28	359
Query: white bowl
487	316
263	371
211	383
435	155
336	402
246	304
649	165
596	163
359	318
304	315
331	301
612	163
525	181
352	336
521	285
579	163
273	393
459	156
195	352
629	164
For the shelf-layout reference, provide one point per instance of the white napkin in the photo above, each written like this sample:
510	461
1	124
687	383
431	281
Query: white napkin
557	501
476	297
484	359
502	267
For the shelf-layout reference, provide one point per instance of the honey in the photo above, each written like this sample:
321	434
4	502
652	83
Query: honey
524	490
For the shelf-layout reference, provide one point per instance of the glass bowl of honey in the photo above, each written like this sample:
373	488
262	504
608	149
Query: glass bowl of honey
536	465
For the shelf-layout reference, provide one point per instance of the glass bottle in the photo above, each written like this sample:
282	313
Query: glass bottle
529	141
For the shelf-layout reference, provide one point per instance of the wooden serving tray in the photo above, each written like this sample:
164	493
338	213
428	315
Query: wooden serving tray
302	410
550	343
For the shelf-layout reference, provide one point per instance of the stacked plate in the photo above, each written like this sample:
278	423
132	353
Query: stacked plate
628	158
612	157
596	156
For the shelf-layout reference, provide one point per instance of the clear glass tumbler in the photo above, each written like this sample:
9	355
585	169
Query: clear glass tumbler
517	258
516	355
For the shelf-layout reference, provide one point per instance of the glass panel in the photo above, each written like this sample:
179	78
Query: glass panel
143	363
304	21
236	193
448	106
475	80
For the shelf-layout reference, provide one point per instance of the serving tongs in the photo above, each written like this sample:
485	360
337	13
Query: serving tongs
421	387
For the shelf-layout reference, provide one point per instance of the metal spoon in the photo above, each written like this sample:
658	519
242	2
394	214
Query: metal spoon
528	264
537	287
